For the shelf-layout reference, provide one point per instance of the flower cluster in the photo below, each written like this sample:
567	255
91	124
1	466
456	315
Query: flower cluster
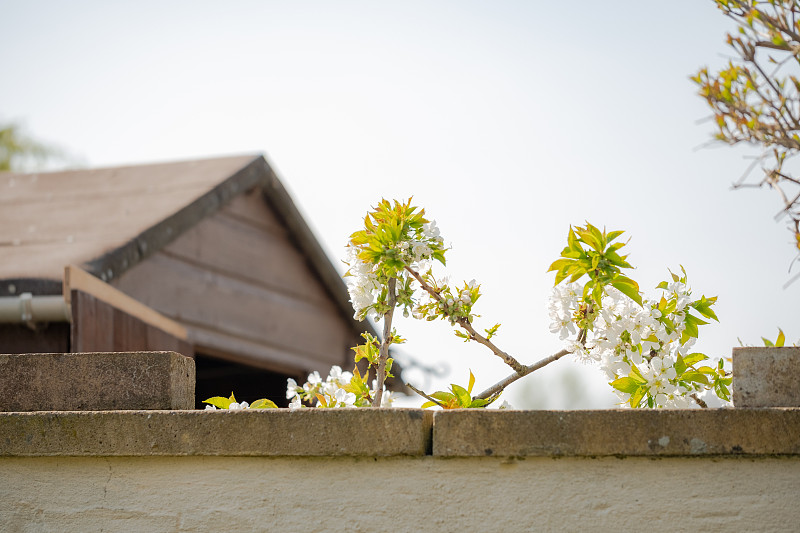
233	406
230	404
645	350
340	389
396	237
452	304
362	284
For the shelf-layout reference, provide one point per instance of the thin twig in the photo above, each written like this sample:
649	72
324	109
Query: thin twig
387	339
434	400
464	323
501	385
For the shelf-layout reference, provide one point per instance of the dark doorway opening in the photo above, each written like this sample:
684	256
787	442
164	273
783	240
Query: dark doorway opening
217	377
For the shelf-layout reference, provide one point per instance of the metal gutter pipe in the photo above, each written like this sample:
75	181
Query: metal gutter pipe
29	309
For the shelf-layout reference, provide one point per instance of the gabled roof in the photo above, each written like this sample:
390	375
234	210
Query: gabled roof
108	220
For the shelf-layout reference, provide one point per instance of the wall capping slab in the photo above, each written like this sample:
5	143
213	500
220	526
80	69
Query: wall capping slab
618	432
404	432
262	432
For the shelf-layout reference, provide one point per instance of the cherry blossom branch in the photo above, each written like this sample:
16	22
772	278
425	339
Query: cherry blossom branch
464	324
383	355
421	393
498	387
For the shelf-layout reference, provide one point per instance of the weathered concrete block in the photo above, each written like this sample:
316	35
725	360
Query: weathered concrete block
766	377
251	432
617	432
96	381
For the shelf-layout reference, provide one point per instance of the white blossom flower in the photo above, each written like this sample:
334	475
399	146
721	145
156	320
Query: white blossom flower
387	398
420	250
344	398
211	408
291	388
564	328
431	232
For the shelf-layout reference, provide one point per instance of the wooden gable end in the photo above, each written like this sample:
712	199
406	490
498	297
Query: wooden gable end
245	292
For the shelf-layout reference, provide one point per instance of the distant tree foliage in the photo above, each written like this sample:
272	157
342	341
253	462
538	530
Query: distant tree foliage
19	152
756	99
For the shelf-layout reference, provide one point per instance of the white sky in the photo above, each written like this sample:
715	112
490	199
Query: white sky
506	120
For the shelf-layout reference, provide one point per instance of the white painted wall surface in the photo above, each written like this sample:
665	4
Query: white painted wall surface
175	494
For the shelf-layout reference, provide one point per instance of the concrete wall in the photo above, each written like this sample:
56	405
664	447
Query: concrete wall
400	470
403	494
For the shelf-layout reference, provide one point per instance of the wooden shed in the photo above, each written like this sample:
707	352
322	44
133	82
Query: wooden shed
207	257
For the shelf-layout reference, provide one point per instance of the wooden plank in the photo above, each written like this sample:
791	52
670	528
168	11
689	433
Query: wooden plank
250	207
77	279
130	334
160	341
84	322
104	324
52	337
92	324
99	327
188	293
250	253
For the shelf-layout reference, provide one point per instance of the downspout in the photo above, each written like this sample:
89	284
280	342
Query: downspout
29	309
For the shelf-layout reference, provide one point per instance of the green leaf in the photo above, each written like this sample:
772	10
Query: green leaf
589	238
480	402
428	404
703	306
444	397
471	382
572	241
219	402
662	285
263	403
628	287
558	264
781	339
693	358
626	384
696	377
464	399
636	398
680	365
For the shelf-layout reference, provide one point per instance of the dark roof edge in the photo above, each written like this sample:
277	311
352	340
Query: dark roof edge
37	286
119	260
279	199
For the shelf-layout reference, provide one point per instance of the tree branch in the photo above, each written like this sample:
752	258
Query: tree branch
498	387
464	323
387	338
429	398
501	385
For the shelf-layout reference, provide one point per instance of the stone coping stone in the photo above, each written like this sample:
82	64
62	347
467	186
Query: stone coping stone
404	432
619	432
256	432
96	381
766	377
